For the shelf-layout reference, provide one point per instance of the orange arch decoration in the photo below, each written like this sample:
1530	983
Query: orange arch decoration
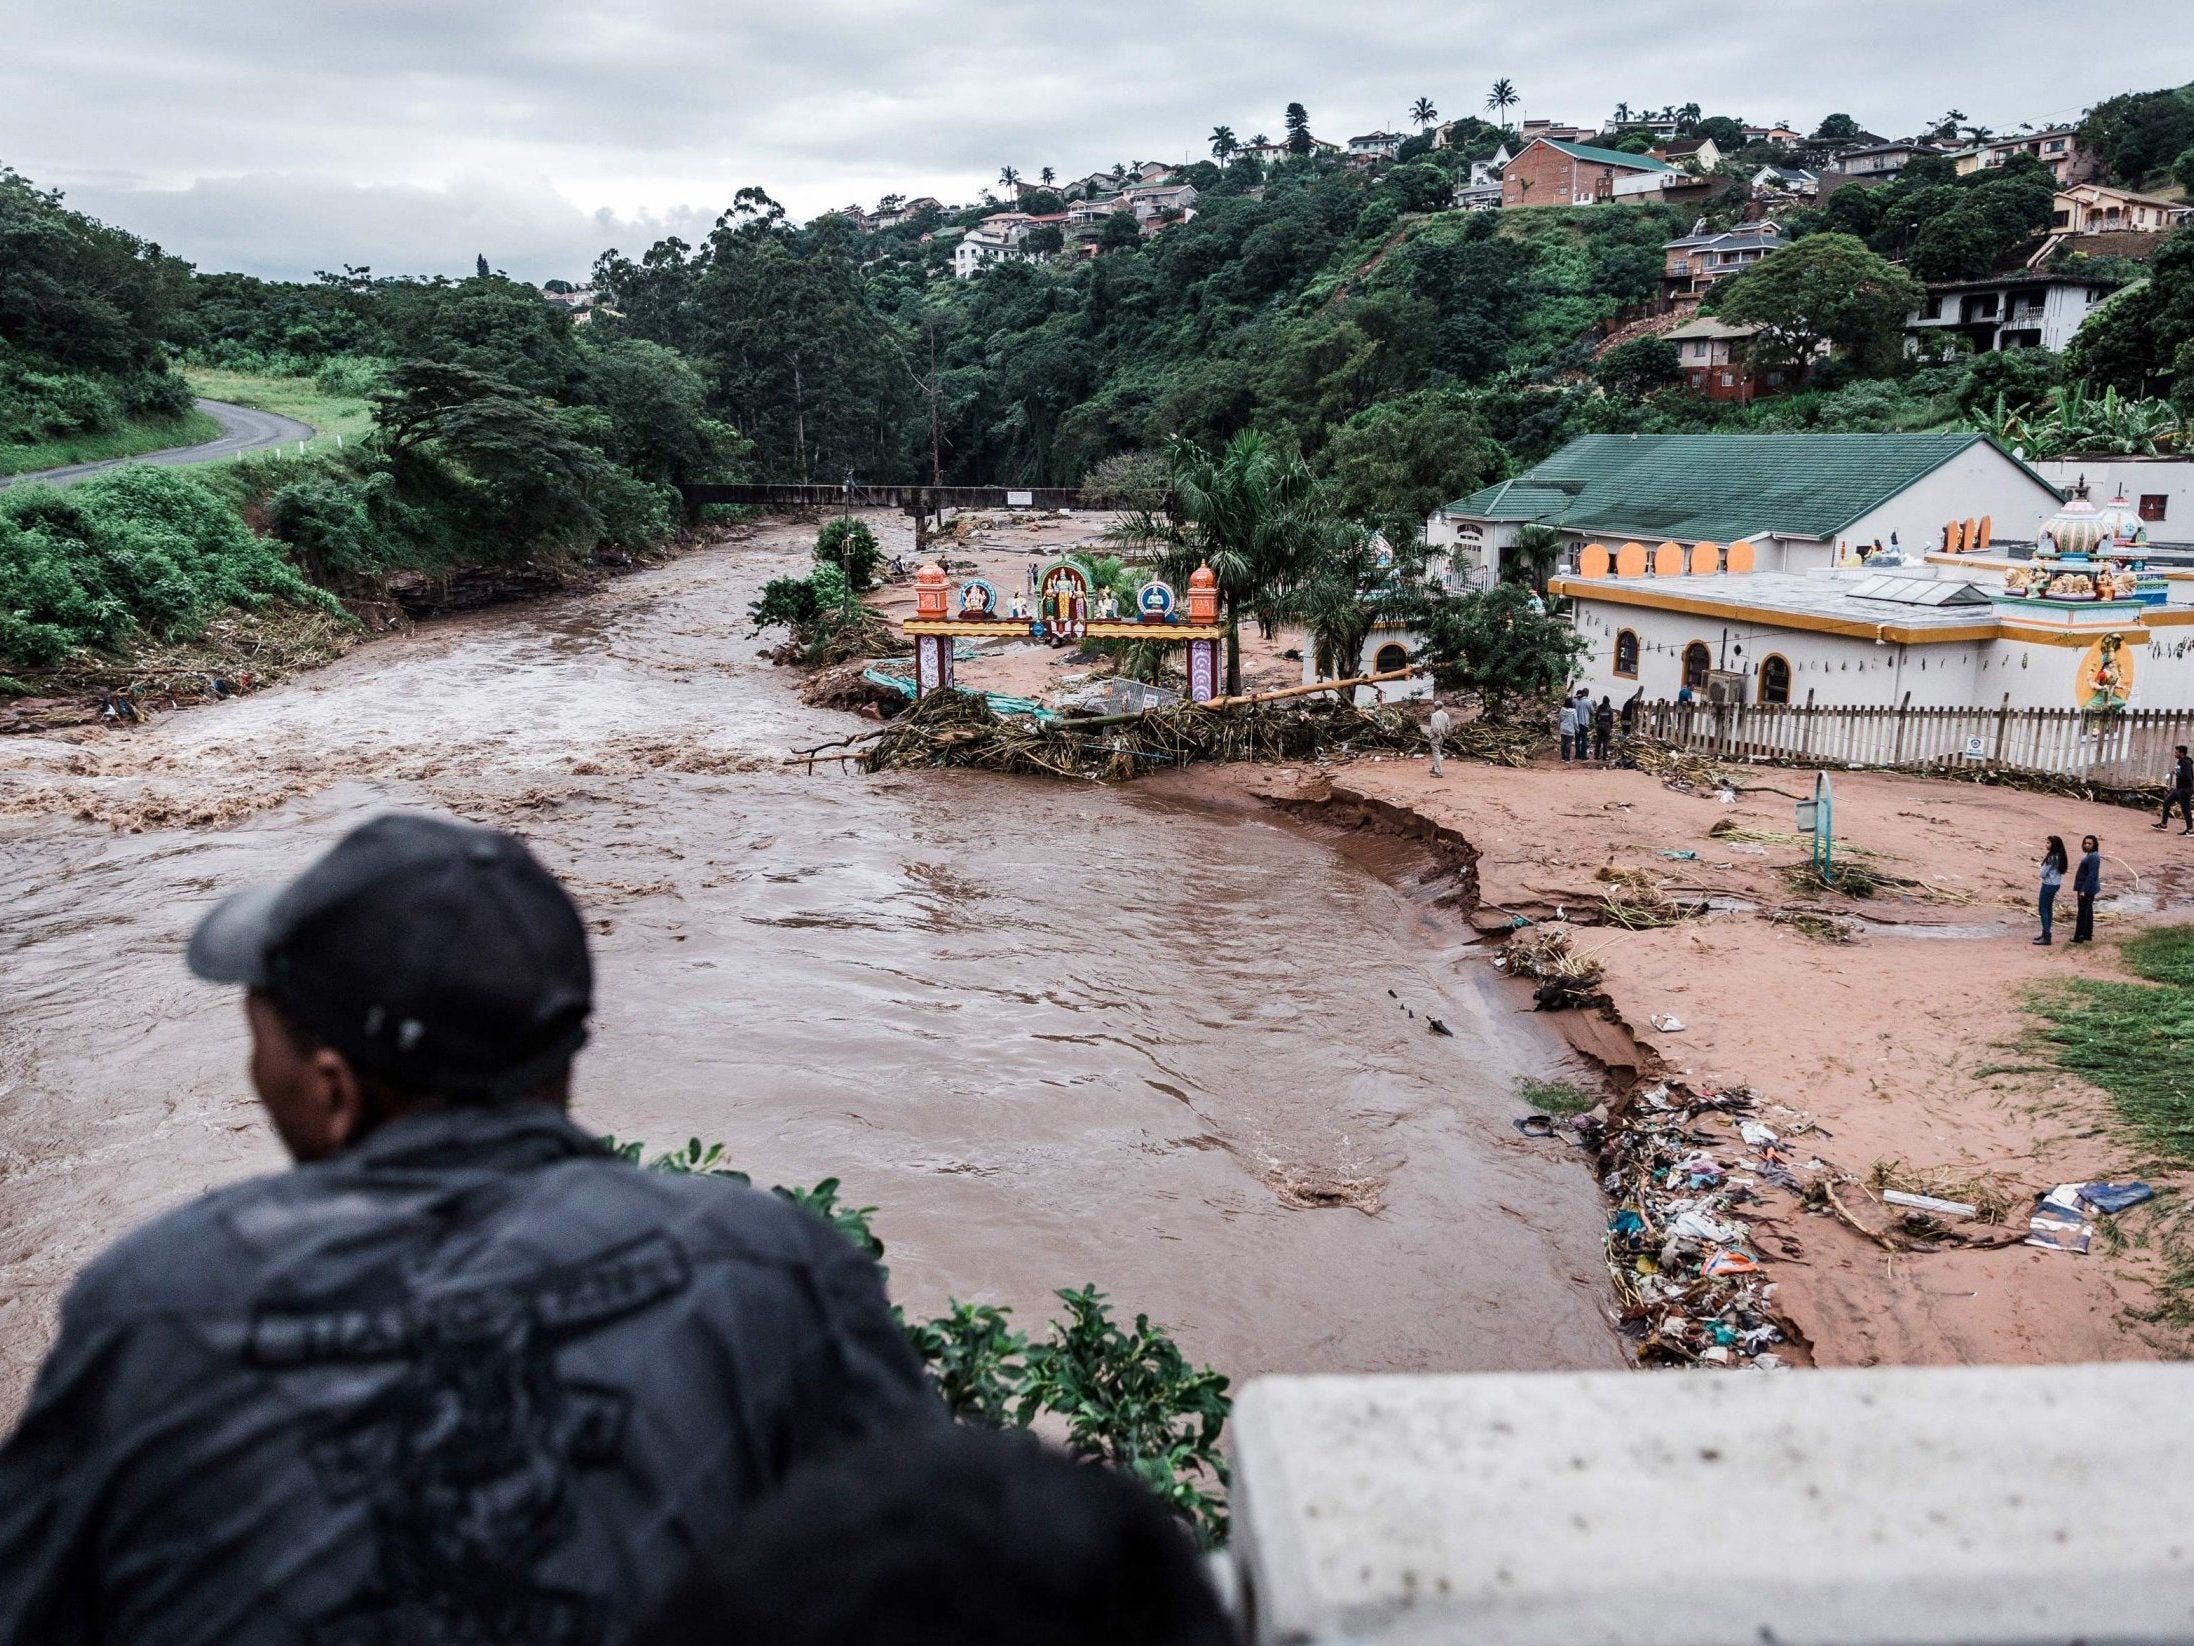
1706	559
1668	560
1740	556
1987	521
1630	560
1592	560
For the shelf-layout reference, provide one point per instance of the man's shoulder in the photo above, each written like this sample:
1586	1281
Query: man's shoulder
714	1211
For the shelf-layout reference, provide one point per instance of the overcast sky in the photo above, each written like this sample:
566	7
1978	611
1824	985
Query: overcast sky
408	135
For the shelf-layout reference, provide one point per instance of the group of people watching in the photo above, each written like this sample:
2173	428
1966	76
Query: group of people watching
464	1376
1588	731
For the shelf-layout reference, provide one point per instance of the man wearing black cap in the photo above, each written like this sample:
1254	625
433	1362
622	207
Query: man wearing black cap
462	1376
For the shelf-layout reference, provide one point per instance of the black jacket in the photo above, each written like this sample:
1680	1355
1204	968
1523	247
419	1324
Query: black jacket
472	1381
2182	775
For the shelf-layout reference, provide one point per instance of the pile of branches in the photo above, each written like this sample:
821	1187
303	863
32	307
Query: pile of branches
1638	899
1543	955
960	729
1685	770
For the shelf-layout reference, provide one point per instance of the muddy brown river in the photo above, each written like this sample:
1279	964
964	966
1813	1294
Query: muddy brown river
1056	1034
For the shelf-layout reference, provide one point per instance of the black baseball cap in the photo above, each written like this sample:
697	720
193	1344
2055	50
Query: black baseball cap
436	954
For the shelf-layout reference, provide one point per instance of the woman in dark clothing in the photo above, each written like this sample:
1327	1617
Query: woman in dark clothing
1603	727
2087	884
2054	865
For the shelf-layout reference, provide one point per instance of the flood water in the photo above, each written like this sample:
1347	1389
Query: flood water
1056	1034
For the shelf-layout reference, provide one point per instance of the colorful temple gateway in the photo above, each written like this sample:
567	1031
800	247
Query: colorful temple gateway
1068	606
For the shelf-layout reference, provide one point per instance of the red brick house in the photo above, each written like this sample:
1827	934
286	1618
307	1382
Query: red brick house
1551	173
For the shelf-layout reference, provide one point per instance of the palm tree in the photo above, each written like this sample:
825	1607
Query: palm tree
1622	110
1008	177
1423	113
1222	143
1260	141
1689	116
1502	98
1254	514
1047	176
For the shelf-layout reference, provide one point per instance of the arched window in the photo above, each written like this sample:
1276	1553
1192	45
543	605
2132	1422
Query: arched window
1697	660
1626	653
1390	657
1774	679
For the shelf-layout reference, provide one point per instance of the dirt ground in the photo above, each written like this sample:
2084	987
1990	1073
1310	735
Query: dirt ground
1902	1044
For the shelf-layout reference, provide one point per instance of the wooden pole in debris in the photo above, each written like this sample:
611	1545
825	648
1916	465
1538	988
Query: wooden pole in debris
1312	690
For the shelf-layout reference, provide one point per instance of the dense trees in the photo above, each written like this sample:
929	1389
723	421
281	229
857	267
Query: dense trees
82	311
2142	340
1825	289
2141	135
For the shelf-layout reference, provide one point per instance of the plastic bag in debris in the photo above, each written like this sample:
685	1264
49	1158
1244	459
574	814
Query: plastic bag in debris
1626	1223
1729	1263
1701	1171
1682	857
2112	1198
1756	1135
1665	1023
1696	1225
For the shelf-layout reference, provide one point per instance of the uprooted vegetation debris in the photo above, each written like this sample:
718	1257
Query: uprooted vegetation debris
961	729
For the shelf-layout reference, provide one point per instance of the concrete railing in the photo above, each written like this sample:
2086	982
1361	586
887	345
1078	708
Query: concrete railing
1985	1505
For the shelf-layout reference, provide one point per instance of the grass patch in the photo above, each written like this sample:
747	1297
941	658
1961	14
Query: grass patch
334	412
1553	1096
133	439
2136	1042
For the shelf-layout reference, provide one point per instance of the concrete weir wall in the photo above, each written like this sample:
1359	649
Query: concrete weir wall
1993	1504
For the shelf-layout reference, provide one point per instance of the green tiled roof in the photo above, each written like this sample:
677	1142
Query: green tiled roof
1692	487
1607	157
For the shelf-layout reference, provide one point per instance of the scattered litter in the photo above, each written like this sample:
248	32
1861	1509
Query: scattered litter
2112	1198
1757	1134
1682	857
2060	1223
1534	1125
1729	1263
1929	1203
1437	1027
1666	1024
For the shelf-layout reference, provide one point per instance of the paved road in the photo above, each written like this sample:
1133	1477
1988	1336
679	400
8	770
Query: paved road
242	430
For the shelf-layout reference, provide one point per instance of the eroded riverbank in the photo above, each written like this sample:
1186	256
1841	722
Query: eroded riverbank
1056	1034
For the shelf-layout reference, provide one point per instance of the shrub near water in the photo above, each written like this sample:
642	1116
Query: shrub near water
136	552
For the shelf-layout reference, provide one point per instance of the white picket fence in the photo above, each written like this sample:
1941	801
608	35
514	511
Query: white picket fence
2131	749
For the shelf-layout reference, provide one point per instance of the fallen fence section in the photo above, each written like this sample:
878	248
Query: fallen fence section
876	496
2130	749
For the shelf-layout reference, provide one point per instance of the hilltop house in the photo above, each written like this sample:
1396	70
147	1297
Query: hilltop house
2059	148
1692	264
2013	311
2091	208
1700	152
1781	136
996	239
1553	130
1800	500
1879	162
1785	182
1152	201
1376	145
1716	361
1550	173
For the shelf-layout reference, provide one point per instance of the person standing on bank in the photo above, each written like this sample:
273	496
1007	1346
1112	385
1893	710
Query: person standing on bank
462	1374
2182	792
2087	885
1438	729
1603	728
2053	868
1567	721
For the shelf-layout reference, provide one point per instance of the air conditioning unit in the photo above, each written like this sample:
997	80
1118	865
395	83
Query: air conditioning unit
1725	686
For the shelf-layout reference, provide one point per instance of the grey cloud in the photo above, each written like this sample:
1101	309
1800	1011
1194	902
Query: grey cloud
250	127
